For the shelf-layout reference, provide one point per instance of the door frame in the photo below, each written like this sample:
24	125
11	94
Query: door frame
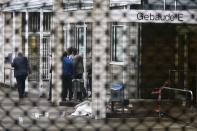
84	26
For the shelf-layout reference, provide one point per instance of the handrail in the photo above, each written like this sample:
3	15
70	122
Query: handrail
175	89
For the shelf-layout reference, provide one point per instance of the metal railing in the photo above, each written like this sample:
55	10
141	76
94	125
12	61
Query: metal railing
159	93
175	89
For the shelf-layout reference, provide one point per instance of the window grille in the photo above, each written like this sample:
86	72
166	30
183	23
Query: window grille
47	21
117	43
46	58
34	22
80	39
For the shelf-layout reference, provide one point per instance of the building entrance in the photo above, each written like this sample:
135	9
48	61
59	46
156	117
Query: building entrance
81	45
168	54
184	76
33	56
79	36
39	55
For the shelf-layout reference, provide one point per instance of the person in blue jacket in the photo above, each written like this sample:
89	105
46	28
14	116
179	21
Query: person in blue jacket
21	70
67	77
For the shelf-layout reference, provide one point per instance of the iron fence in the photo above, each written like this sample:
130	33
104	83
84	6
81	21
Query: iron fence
138	44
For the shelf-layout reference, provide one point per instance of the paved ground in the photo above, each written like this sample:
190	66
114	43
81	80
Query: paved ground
37	114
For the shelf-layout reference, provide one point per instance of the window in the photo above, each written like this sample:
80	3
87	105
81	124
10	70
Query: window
117	43
77	4
34	56
81	39
186	4
65	28
24	22
170	4
35	45
46	58
47	21
34	22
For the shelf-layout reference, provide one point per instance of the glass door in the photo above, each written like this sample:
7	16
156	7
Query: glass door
34	56
81	45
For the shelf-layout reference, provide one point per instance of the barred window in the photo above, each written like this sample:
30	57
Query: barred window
47	21
117	43
170	4
77	4
139	64
34	22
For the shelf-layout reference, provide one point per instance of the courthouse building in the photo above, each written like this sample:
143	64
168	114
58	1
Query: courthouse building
146	42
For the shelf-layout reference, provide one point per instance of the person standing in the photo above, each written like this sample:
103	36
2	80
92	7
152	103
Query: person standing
21	71
78	70
77	65
67	77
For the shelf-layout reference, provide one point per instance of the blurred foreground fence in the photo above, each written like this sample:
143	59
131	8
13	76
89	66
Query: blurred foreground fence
138	44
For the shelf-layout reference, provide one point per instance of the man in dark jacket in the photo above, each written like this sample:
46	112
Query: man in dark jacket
21	70
67	77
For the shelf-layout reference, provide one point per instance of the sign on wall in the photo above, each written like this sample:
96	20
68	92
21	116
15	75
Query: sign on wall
154	16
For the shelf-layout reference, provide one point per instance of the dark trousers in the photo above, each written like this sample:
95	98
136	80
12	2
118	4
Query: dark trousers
67	87
21	85
78	85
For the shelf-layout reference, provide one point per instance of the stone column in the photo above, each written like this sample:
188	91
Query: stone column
57	50
99	58
1	47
